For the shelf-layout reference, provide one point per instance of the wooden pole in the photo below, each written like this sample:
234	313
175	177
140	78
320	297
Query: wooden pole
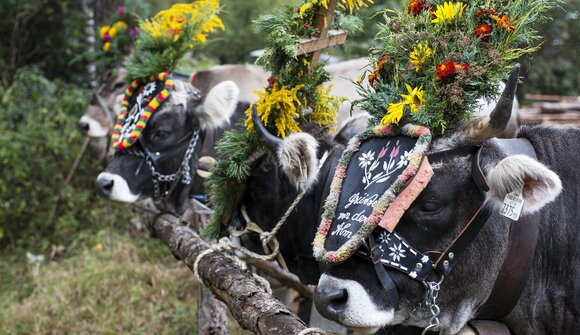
323	20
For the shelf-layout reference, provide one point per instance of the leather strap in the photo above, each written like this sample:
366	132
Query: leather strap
517	264
384	277
487	327
449	258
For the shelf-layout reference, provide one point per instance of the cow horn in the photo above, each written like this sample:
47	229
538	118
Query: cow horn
492	125
270	141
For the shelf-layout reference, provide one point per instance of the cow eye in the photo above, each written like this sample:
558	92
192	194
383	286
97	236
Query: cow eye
431	207
161	134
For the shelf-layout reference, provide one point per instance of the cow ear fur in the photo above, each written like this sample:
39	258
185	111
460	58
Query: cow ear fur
219	105
540	185
352	127
297	158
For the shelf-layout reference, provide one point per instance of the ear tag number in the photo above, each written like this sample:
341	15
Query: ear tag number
512	205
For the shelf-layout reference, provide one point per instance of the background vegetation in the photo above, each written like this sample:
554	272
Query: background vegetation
91	270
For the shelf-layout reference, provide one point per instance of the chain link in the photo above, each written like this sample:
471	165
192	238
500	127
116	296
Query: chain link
431	302
160	179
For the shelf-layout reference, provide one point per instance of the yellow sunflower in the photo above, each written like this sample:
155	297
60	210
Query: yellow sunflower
446	13
394	113
415	98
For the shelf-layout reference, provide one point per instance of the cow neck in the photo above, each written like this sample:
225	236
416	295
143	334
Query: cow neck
522	240
270	244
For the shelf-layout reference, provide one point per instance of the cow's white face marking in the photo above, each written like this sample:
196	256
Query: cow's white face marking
95	128
360	313
120	190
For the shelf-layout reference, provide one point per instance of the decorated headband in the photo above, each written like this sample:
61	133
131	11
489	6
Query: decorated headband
144	96
387	169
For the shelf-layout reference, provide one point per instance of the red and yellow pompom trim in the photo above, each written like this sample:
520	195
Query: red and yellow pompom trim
121	143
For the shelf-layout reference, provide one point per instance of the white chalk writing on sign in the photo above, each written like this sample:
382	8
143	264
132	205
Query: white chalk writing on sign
357	199
342	230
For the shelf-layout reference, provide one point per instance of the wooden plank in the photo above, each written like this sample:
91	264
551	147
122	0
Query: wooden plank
547	97
333	37
559	107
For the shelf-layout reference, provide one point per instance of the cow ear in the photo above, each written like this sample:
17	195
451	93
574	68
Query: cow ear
539	184
219	105
297	158
352	127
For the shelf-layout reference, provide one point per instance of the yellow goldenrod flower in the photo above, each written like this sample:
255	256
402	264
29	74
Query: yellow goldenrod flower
198	18
107	46
279	105
348	5
324	111
419	55
447	12
415	97
394	113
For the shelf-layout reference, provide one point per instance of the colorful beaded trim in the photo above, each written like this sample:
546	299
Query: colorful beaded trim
355	242
120	142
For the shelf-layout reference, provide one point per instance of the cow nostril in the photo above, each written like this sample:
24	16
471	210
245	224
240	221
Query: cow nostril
84	127
331	303
106	186
337	299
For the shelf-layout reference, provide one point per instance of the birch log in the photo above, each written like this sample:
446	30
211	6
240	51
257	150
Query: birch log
251	306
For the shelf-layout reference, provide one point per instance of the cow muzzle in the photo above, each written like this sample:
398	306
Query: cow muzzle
91	127
115	187
348	303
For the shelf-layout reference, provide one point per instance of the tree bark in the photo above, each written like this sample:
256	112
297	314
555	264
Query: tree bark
251	306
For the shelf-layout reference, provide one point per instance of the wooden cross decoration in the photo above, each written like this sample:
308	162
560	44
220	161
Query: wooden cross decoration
326	38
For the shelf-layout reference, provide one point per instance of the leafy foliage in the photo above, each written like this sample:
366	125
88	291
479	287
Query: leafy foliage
38	143
554	68
48	34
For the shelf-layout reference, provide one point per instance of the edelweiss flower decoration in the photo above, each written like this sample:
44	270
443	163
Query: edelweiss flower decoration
435	59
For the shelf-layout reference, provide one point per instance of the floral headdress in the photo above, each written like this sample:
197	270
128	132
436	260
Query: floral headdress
294	95
435	59
162	41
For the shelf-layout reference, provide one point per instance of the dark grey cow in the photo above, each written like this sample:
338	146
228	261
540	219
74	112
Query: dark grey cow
163	162
352	294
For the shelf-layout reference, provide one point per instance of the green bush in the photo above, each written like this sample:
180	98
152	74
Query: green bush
38	144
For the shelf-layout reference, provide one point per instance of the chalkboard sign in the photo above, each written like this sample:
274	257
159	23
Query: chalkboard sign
374	169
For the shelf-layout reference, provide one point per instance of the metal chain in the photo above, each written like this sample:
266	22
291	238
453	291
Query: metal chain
431	302
184	170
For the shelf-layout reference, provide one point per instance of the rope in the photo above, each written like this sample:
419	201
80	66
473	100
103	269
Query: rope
225	245
312	330
266	237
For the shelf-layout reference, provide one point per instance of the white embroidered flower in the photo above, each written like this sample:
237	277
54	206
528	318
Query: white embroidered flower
397	252
385	237
425	259
404	159
366	159
413	274
149	88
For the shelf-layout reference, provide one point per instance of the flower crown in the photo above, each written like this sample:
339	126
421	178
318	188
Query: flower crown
165	38
433	60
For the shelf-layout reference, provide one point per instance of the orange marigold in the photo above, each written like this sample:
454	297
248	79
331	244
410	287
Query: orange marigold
417	6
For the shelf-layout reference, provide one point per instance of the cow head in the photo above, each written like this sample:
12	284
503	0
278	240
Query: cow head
302	162
351	293
169	146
